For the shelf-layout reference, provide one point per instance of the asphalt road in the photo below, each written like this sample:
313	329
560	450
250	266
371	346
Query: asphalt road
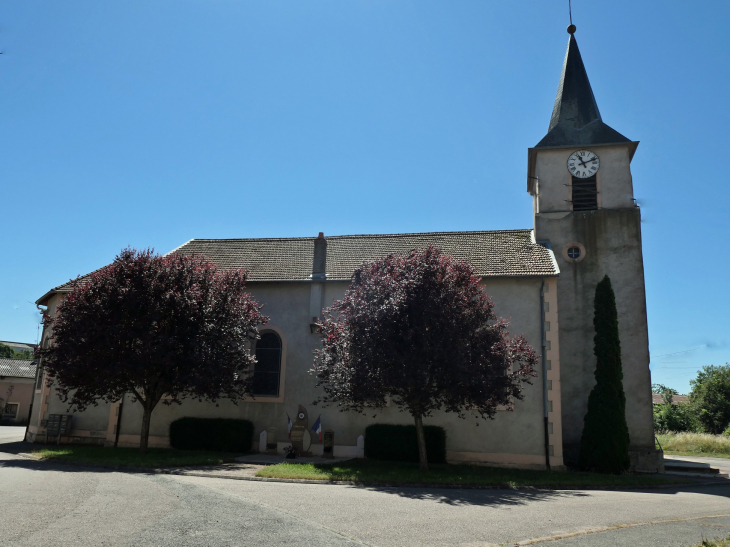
11	434
51	504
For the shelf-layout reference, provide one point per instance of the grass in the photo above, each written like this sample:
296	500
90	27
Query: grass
695	444
714	543
371	471
130	457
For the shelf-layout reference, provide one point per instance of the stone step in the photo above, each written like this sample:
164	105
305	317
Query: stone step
690	467
699	475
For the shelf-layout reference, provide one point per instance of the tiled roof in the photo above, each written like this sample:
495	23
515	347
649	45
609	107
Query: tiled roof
21	368
265	259
656	399
498	253
493	254
65	287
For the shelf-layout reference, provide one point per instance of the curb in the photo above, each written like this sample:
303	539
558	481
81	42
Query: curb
443	486
172	471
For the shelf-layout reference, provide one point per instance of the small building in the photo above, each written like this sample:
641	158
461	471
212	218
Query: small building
17	377
20	347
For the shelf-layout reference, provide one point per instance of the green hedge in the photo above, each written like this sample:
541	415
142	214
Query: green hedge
398	443
225	435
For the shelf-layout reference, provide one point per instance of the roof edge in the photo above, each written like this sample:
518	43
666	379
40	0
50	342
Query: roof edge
354	236
556	273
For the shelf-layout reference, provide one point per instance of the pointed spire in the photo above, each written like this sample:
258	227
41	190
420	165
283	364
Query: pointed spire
576	119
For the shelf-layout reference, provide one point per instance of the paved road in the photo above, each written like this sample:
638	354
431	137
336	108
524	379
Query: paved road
11	434
723	464
51	504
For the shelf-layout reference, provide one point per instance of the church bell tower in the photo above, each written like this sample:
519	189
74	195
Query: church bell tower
579	176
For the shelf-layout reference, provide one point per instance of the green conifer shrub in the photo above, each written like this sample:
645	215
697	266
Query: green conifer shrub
220	434
605	441
399	443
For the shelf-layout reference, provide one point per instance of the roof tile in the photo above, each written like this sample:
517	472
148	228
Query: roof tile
21	368
497	253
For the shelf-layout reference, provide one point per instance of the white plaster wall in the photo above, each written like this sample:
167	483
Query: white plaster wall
517	432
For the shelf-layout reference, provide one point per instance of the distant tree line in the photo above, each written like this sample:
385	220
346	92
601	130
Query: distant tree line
6	352
708	408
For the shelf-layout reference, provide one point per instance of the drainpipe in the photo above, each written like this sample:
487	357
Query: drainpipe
119	420
30	409
544	374
30	413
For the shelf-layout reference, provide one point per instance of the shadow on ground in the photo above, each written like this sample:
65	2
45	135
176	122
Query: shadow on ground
474	496
455	496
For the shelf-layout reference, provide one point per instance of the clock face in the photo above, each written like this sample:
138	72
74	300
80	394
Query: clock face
583	164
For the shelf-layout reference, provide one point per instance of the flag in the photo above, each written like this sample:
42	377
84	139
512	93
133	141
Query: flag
317	427
288	426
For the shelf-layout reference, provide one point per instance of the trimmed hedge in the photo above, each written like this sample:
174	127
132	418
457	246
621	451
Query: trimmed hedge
398	443
221	434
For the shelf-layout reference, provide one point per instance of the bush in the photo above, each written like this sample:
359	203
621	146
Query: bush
221	434
398	443
681	417
711	396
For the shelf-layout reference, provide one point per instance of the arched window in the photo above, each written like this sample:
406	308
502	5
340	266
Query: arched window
267	370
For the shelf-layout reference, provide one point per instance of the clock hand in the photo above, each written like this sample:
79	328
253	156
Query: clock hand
585	164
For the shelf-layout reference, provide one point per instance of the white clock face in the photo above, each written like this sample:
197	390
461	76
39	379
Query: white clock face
583	164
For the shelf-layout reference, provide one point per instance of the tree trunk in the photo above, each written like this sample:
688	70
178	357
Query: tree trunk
144	435
422	456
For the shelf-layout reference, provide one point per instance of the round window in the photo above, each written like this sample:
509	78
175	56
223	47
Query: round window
574	252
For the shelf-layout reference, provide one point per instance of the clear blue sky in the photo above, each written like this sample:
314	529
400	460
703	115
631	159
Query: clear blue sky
152	123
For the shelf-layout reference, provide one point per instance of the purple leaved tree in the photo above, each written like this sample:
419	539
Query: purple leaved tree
420	330
154	326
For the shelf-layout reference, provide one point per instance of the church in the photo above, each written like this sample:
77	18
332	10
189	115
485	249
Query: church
586	225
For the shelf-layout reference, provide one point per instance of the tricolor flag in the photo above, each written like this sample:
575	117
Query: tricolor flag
288	426
317	427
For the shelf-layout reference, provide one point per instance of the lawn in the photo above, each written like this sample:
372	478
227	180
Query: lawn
714	543
372	471
695	444
130	457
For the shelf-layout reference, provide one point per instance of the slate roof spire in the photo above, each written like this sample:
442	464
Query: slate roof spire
576	119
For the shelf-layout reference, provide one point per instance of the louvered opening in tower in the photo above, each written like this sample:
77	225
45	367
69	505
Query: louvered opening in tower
585	194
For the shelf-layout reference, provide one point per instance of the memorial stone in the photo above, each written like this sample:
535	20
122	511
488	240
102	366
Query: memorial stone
298	430
271	445
360	447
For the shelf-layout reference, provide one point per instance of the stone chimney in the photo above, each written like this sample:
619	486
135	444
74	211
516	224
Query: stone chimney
319	274
319	264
